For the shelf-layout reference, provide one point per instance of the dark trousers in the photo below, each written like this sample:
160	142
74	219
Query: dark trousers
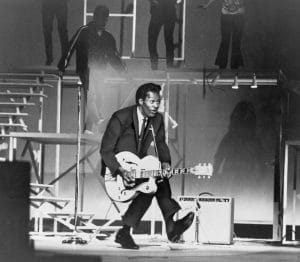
231	29
154	28
142	202
51	9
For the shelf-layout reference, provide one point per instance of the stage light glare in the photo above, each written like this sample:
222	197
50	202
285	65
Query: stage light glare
235	83
254	82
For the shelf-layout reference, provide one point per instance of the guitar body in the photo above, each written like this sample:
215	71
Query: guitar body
115	186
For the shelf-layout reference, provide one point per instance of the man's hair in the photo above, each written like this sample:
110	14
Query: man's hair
143	90
101	11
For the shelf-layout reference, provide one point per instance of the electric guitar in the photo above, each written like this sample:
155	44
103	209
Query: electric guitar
145	171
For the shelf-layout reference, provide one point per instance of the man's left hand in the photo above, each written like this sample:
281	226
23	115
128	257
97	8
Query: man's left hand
167	168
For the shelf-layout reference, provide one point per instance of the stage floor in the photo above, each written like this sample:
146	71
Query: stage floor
157	249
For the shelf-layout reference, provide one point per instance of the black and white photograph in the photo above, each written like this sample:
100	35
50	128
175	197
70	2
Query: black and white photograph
149	130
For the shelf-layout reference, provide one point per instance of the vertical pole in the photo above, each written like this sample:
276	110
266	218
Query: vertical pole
58	123
57	147
133	28
122	28
40	129
294	194
167	105
184	137
84	11
279	172
77	176
183	30
180	27
285	185
11	149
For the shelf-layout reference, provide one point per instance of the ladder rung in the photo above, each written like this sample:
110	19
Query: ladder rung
21	94
14	104
12	125
7	114
64	234
24	85
40	185
65	214
87	227
106	228
50	199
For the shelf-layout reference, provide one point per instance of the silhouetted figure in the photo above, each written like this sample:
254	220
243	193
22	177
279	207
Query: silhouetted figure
95	48
232	25
163	14
50	10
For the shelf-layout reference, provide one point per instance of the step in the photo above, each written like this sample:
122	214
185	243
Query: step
24	85
34	234
101	228
12	125
15	104
42	186
5	94
8	114
50	199
68	215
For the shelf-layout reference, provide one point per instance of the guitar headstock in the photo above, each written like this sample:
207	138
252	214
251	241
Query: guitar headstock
204	170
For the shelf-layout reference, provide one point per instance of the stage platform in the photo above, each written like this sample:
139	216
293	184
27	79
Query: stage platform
139	70
157	249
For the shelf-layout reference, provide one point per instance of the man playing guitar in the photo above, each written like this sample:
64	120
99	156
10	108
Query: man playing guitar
133	129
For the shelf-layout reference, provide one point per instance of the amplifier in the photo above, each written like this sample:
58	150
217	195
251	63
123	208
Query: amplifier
213	222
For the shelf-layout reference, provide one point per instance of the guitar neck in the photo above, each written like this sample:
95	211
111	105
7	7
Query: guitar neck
164	172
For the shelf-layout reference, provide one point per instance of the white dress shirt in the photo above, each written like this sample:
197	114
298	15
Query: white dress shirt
141	119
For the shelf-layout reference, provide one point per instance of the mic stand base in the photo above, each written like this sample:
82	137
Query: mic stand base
75	240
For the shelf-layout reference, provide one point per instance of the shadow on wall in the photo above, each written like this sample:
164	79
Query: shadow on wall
240	160
240	149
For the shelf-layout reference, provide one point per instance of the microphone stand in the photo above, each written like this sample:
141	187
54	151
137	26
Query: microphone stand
197	223
76	239
154	142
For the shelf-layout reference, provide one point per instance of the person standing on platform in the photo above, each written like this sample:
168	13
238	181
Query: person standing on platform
163	14
129	130
232	25
95	48
51	9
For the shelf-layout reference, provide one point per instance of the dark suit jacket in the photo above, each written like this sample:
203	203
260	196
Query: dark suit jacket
122	135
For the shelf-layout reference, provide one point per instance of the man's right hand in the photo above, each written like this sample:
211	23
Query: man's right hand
127	176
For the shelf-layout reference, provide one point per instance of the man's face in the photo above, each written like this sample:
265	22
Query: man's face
101	21
150	105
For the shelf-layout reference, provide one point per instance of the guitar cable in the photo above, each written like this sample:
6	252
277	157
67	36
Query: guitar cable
154	142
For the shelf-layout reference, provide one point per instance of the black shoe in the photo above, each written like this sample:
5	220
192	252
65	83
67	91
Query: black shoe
125	240
180	226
